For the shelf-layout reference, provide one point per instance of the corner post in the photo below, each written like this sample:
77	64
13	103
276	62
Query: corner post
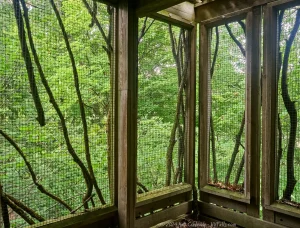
127	111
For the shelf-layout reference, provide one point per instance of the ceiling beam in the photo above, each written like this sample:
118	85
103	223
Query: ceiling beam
109	2
146	7
182	15
215	8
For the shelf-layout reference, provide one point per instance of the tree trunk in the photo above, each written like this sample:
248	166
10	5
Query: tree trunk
291	109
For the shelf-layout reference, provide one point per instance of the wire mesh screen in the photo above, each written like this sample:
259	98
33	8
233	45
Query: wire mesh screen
288	138
163	66
227	118
56	127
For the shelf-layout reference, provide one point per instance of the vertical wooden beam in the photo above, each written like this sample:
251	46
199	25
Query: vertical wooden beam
269	110
127	113
253	109
190	108
204	97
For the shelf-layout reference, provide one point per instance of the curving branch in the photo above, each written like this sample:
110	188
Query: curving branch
28	64
240	169
95	19
172	140
291	109
4	219
39	186
18	210
82	114
237	42
31	212
235	150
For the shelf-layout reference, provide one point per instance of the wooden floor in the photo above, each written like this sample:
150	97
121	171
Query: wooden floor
185	221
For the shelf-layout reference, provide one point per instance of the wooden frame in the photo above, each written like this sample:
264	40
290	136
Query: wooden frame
127	113
180	193
251	197
273	211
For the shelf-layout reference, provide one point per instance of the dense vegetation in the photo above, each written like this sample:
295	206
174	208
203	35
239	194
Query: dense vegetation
57	98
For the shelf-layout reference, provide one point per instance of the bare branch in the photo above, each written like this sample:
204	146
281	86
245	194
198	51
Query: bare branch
82	113
28	63
32	173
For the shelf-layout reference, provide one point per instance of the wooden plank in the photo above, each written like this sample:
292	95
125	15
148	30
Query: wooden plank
146	7
81	219
269	110
191	110
109	2
214	222
225	193
160	204
253	110
221	201
222	7
286	220
158	217
127	113
285	209
182	15
204	101
163	193
237	218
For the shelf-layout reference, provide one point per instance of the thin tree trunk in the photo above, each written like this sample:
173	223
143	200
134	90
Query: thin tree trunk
235	150
279	149
240	169
4	216
290	107
28	63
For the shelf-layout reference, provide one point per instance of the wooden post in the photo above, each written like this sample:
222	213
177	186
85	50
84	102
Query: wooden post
253	108
269	111
190	107
127	111
204	100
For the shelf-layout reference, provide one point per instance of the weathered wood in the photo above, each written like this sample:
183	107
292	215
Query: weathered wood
191	110
269	110
145	7
161	204
182	15
127	112
284	209
222	7
156	195
253	110
234	217
221	201
158	217
226	194
109	2
81	219
286	220
204	99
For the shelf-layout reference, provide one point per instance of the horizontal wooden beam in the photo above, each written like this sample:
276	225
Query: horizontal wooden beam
80	219
146	7
171	195
234	217
161	216
182	15
219	8
109	2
